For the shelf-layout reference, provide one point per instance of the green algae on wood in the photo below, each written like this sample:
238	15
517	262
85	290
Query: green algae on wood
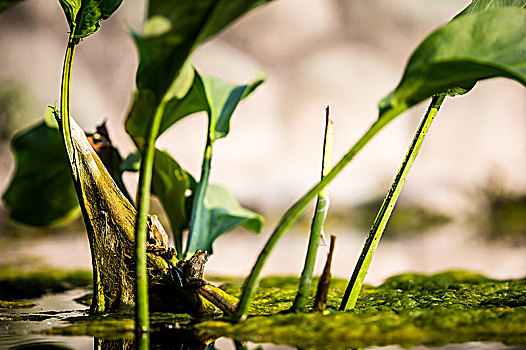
408	309
110	221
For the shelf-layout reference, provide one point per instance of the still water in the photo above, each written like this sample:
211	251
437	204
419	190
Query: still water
449	247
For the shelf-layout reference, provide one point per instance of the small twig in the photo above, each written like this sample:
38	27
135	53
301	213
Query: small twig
210	294
320	301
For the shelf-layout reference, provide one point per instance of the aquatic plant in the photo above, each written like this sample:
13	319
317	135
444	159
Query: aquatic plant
485	40
169	89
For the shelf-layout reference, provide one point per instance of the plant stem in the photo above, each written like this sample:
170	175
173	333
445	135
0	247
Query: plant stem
322	206
142	341
360	270
65	128
294	212
65	92
143	206
198	207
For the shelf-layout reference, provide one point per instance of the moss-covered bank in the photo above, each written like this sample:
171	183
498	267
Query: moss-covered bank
16	284
408	309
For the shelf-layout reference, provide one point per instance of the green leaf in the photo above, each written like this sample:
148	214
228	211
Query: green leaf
84	16
222	99
179	107
180	102
480	6
218	98
174	30
464	51
140	115
131	163
175	187
223	213
172	184
41	191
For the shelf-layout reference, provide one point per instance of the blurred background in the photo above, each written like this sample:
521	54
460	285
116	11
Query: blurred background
463	207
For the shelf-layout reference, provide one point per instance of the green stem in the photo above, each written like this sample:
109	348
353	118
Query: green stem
142	341
143	207
294	212
360	270
322	206
198	207
65	128
65	91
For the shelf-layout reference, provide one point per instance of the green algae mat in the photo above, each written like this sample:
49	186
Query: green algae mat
408	309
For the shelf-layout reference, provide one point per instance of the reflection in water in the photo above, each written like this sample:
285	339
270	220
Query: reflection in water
162	338
41	345
40	342
117	344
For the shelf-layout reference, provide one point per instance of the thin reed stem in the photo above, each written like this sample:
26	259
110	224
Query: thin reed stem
322	206
65	103
360	270
143	206
293	213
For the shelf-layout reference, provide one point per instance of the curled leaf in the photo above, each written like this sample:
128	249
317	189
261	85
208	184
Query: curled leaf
212	95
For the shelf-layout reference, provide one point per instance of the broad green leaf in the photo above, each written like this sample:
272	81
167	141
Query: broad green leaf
180	102
174	30
84	16
172	184
140	116
41	191
218	98
222	99
464	51
179	107
174	187
5	4
223	213
480	6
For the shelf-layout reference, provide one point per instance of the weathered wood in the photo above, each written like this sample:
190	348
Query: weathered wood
110	224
